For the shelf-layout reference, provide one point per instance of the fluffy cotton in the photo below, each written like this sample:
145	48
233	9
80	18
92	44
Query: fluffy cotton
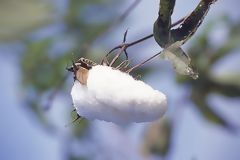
114	96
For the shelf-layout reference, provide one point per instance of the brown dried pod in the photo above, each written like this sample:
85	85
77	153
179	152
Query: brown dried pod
80	69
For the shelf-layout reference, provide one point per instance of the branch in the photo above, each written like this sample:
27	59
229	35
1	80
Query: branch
127	45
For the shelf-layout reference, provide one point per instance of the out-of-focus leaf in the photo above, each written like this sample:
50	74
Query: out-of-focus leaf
157	138
80	127
199	98
39	115
192	22
228	78
231	43
162	26
21	16
76	7
229	90
179	59
39	69
73	157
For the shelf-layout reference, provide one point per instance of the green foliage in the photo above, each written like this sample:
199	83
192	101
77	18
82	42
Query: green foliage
162	26
157	138
39	69
162	31
167	38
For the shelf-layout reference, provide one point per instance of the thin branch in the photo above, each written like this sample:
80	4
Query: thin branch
122	50
139	41
124	41
117	56
155	55
123	64
151	35
127	45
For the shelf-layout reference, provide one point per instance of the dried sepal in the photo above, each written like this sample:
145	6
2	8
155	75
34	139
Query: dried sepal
192	22
80	68
180	60
82	75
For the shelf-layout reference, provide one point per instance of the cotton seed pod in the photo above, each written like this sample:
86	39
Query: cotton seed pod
105	93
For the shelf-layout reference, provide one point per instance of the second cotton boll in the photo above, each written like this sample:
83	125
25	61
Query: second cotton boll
115	96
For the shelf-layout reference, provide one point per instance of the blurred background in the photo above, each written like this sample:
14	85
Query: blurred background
39	38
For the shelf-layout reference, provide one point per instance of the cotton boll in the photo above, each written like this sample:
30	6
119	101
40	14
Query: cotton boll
115	96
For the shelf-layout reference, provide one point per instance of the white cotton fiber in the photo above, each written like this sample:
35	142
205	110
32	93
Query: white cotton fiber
115	96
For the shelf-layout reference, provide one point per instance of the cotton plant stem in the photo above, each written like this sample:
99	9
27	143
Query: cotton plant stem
124	45
127	45
117	56
151	35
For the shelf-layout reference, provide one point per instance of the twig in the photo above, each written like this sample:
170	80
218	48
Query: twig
123	64
117	56
155	55
121	51
127	45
